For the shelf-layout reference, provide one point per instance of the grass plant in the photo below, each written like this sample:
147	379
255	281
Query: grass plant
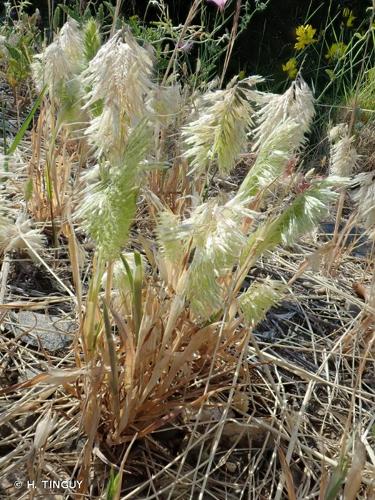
221	349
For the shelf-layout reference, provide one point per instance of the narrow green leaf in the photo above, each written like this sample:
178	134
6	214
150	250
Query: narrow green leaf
128	272
70	12
56	18
15	52
113	486
20	134
110	8
337	480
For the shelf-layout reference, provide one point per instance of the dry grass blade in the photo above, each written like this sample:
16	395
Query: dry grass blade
115	387
54	377
354	474
287	475
43	430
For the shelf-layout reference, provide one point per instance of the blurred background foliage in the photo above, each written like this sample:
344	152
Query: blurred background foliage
330	42
268	38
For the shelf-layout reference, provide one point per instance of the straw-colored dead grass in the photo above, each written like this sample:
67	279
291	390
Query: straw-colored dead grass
276	414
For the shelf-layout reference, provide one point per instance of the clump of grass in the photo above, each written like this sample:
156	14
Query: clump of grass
169	318
182	319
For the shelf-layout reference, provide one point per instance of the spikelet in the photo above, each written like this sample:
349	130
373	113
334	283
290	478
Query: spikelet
364	195
109	205
256	301
60	62
91	39
220	131
299	218
20	235
171	240
296	104
165	103
213	235
344	157
272	158
119	80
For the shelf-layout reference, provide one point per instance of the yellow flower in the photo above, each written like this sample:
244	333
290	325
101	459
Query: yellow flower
336	51
305	36
348	14
290	67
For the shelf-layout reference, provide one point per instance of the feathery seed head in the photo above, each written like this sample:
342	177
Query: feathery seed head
172	241
344	157
71	41
365	197
215	228
259	298
217	241
120	71
61	61
297	104
92	39
19	235
165	103
309	209
273	155
220	131
119	76
109	205
213	234
300	217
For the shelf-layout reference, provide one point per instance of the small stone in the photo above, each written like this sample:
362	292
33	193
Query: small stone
52	333
232	467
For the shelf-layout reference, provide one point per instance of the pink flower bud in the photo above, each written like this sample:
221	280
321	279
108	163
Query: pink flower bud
219	3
